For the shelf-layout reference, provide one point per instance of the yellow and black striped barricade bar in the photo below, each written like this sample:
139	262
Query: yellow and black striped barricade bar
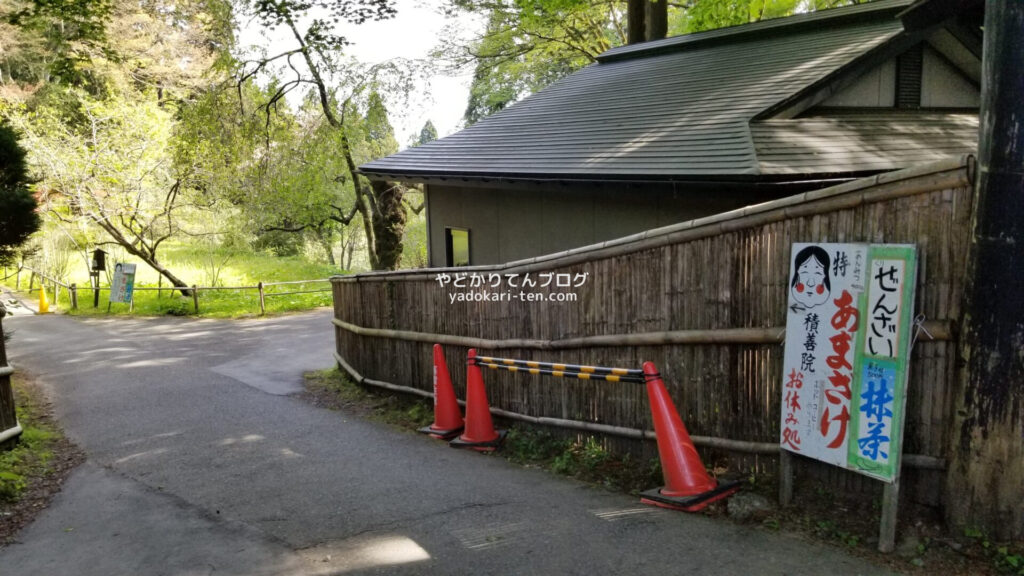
563	370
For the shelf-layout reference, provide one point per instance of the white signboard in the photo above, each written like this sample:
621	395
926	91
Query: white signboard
122	283
847	345
826	281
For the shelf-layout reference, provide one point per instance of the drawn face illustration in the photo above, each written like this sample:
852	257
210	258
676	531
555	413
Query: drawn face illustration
810	285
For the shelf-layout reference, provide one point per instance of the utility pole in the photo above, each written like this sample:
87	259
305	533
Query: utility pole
987	459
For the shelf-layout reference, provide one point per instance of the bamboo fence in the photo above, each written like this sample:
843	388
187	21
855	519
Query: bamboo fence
9	428
705	301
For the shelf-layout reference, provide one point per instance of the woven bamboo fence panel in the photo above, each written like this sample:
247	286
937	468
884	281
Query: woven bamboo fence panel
699	281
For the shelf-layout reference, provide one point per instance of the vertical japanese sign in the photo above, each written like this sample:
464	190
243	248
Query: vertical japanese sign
882	364
847	342
122	283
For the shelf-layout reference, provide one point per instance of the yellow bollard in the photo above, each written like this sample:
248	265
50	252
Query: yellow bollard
44	306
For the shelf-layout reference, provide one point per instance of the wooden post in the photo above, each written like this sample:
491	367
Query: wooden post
8	415
160	287
31	281
17	279
890	507
195	297
131	303
786	462
74	296
56	294
983	487
263	304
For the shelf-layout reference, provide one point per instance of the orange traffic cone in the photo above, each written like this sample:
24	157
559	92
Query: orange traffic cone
480	434
447	418
687	484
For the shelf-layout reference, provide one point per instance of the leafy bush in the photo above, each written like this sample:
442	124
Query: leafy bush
11	485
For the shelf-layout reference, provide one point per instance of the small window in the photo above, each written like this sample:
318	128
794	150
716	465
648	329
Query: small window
456	244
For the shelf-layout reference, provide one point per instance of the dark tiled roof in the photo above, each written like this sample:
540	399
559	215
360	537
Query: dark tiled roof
676	108
861	142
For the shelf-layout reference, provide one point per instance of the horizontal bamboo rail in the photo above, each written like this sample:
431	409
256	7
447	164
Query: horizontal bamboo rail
10	433
45	277
761	448
932	330
296	282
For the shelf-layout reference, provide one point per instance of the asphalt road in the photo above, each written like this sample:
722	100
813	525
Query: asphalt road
200	462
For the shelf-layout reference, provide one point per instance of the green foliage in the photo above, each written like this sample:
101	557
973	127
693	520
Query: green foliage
528	44
525	445
278	243
11	483
18	218
336	390
1006	558
69	33
829	529
585	458
326	15
414	251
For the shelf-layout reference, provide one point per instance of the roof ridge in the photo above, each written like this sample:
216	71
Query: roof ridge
871	9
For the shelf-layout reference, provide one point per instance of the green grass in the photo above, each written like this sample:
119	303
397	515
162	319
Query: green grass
206	268
580	456
336	390
33	453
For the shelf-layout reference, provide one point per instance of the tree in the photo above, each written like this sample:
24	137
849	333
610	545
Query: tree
528	45
427	134
112	169
61	39
99	117
18	217
315	59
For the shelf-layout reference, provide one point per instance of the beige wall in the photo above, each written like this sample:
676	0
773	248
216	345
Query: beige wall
515	222
942	86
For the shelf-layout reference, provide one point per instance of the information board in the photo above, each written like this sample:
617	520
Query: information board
122	283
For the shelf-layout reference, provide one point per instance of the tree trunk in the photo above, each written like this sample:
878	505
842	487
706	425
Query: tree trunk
635	13
325	242
348	249
656	19
389	225
987	460
174	280
146	252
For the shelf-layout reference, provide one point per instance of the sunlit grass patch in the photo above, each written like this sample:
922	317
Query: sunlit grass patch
215	272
